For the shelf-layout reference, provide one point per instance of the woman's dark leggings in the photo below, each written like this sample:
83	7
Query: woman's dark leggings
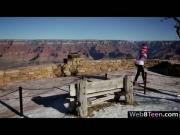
140	69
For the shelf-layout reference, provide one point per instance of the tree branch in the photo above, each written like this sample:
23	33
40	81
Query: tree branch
177	20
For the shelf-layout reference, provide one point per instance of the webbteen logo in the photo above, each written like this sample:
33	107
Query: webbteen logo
152	114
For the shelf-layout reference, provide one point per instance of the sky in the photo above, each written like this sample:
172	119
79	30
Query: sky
100	28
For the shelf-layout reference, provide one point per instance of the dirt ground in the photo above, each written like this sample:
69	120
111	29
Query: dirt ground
45	98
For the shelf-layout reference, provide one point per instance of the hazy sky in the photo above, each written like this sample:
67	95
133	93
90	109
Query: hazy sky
115	28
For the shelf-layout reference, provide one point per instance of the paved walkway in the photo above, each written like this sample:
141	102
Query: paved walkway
45	98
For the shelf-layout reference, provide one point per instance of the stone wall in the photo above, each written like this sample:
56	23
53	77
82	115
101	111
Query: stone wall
75	66
29	73
81	66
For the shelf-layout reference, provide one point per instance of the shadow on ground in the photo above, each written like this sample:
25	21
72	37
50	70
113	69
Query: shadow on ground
12	109
152	97
95	77
160	91
56	102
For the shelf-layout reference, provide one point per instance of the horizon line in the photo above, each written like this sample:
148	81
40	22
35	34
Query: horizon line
89	39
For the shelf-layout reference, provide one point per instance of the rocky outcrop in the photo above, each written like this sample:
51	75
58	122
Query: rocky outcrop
167	68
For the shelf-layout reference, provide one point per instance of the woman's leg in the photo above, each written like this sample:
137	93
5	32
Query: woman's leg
138	72
142	71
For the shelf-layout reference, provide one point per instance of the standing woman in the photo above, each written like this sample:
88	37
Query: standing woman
139	63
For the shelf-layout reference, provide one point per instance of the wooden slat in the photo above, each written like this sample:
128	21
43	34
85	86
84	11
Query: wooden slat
72	90
70	99
104	85
97	101
103	92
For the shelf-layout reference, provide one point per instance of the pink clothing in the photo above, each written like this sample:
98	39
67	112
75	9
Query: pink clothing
140	61
142	56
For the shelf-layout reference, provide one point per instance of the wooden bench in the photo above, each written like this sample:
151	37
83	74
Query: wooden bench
86	93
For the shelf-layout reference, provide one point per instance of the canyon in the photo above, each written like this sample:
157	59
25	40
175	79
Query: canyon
17	53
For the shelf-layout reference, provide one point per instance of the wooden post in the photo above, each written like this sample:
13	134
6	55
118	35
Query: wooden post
82	99
128	87
72	90
106	76
145	77
72	94
21	101
82	77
